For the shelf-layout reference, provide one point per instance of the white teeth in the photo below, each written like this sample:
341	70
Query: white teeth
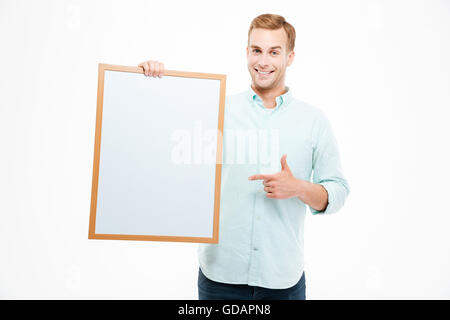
267	72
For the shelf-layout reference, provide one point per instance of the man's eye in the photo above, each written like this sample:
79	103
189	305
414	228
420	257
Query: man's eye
273	52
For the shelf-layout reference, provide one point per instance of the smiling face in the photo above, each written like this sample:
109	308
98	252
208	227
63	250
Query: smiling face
267	59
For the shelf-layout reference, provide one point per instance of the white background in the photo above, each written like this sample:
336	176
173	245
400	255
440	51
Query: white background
379	70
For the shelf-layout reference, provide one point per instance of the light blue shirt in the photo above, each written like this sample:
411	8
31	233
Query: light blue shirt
261	239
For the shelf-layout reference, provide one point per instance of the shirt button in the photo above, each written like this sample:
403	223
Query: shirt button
256	249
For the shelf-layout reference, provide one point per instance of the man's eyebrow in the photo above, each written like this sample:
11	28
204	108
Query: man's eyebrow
276	47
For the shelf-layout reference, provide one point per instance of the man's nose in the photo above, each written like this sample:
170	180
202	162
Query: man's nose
263	60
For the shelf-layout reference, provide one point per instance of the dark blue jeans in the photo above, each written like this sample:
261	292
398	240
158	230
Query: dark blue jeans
212	290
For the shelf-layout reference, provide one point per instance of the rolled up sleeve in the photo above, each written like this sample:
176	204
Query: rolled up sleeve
327	169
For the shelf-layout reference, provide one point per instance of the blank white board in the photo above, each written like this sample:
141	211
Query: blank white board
157	156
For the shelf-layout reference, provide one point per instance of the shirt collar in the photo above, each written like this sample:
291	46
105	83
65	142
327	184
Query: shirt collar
282	100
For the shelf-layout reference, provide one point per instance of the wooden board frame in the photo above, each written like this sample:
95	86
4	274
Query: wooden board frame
98	131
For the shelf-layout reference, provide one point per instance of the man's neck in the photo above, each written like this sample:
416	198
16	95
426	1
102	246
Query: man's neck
269	96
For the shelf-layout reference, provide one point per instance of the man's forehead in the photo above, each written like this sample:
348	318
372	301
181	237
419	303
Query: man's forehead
270	39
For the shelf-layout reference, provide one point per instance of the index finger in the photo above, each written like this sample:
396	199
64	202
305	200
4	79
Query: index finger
266	177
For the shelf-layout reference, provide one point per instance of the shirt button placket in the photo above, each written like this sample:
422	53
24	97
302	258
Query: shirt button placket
255	243
257	212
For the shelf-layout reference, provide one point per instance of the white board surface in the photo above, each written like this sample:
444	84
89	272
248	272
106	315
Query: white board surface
157	158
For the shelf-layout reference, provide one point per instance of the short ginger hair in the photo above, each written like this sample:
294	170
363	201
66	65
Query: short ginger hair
273	22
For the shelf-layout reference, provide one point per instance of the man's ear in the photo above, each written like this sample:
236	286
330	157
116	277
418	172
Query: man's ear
291	57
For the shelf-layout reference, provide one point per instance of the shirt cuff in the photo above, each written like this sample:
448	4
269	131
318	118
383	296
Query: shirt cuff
331	199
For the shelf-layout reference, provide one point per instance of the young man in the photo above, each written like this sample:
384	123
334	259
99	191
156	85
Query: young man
263	202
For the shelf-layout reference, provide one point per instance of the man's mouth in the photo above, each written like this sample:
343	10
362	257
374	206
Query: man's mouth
264	73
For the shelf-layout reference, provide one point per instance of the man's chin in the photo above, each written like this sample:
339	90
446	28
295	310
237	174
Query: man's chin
262	85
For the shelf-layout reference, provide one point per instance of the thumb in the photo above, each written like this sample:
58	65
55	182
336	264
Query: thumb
284	165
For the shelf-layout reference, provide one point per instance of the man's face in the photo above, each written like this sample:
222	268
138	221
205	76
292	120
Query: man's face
267	58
